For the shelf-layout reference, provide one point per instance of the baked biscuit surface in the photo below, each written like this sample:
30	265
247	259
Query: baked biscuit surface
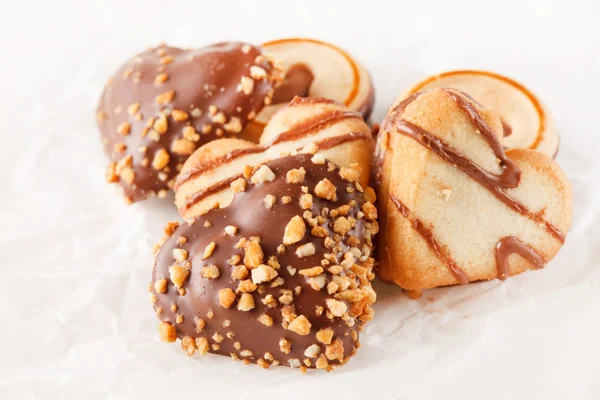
454	207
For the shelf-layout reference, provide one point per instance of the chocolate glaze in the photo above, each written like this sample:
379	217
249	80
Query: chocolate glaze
323	144
428	235
297	83
199	78
249	214
513	245
310	126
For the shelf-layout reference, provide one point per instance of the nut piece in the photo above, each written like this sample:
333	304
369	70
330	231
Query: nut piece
246	85
263	273
160	286
325	335
300	325
326	190
226	297
239	185
370	211
342	226
183	147
202	345
335	350
180	255
336	307
350	174
296	175
312	351
254	255
188	345
210	272
246	302
306	201
167	332
263	174
208	250
161	159
294	230
178	275
285	346
314	271
266	320
270	200
306	250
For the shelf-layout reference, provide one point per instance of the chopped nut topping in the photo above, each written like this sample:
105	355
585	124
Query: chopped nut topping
325	335
246	302
160	79
190	134
166	60
219	118
247	286
234	125
165	98
246	85
294	230
306	250
246	48
226	297
161	125
161	159
111	174
240	272
127	175
183	147
269	301
312	351
263	174
370	211
296	175
133	108
350	174
217	337
188	345
336	307
179	319
180	115
318	159
246	353
270	200
326	190
263	273
317	282
231	230
314	271
319	231
332	287
342	226
322	362
291	270
300	325
254	255
178	275
239	185
208	250
287	297
167	332
202	345
265	320
210	272
257	72
124	128
160	286
306	201
285	346
200	324
180	255
335	350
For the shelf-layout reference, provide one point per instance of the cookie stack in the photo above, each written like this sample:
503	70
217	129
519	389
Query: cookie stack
290	207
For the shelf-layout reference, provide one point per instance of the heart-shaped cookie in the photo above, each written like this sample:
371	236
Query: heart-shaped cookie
164	103
527	122
279	277
312	125
314	68
454	206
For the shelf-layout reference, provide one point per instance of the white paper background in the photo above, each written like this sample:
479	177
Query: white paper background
76	322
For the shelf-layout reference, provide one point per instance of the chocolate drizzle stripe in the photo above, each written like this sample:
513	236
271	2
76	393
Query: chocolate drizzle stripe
323	144
509	178
513	245
297	131
315	123
427	234
212	189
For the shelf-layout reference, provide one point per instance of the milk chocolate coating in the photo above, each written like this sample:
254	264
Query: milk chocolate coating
201	79
252	218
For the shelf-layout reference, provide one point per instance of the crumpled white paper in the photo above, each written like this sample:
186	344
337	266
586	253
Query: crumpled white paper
76	263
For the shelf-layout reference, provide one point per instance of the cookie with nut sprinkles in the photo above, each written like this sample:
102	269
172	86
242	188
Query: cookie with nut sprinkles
166	102
282	276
